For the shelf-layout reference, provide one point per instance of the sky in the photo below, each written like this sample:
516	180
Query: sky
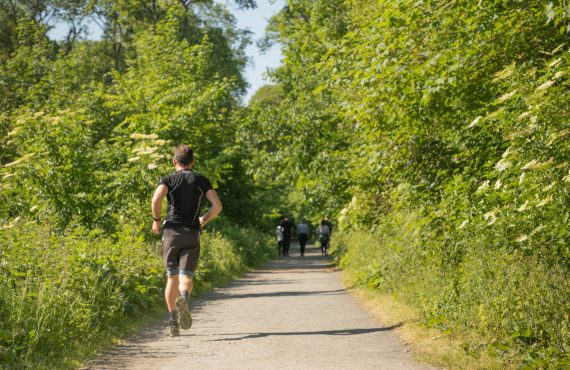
255	20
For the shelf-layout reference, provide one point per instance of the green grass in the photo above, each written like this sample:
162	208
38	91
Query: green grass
64	297
505	306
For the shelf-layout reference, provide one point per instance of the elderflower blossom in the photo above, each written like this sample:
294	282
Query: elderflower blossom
522	238
18	161
506	96
523	116
483	186
559	74
553	64
502	165
491	217
463	224
547	188
535	165
523	207
558	135
475	122
133	159
508	152
530	164
538	229
145	150
545	201
498	184
143	136
151	166
506	72
522	177
14	131
545	85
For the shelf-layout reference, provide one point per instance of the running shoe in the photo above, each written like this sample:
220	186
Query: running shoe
173	329
183	307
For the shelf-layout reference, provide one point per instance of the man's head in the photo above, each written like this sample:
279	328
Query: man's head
183	156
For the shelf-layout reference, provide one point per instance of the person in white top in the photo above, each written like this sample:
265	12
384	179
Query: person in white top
279	234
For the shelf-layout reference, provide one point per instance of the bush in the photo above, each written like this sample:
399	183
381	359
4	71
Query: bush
62	293
516	303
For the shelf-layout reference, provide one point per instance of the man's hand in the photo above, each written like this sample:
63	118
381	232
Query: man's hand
156	227
202	222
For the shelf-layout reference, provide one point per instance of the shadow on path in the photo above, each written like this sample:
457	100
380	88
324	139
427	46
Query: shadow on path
222	295
340	332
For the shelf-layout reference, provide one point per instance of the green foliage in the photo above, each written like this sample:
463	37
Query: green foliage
62	291
439	130
86	130
266	96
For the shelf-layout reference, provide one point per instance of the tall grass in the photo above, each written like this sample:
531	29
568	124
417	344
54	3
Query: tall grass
515	303
64	295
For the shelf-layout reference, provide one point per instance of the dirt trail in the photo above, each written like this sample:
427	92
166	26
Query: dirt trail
293	313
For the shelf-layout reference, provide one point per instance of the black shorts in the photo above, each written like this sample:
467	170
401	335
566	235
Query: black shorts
180	249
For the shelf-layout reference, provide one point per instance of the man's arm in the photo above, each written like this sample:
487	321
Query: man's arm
156	206
215	208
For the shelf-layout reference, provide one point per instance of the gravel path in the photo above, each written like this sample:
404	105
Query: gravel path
293	313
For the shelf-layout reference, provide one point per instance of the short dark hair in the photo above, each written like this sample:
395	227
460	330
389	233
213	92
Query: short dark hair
183	154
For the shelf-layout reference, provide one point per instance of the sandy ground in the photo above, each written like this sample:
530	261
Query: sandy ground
294	313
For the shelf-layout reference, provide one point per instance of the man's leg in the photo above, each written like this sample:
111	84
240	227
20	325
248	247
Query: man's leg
171	292
170	295
169	253
188	264
183	301
185	286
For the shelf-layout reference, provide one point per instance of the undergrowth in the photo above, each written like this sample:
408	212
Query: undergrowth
64	295
514	305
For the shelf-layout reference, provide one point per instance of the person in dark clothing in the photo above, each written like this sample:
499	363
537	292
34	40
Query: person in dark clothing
185	191
303	231
287	227
324	233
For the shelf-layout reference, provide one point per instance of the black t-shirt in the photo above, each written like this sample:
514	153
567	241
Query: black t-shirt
287	226
186	189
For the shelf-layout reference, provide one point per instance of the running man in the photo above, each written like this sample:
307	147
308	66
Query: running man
181	234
